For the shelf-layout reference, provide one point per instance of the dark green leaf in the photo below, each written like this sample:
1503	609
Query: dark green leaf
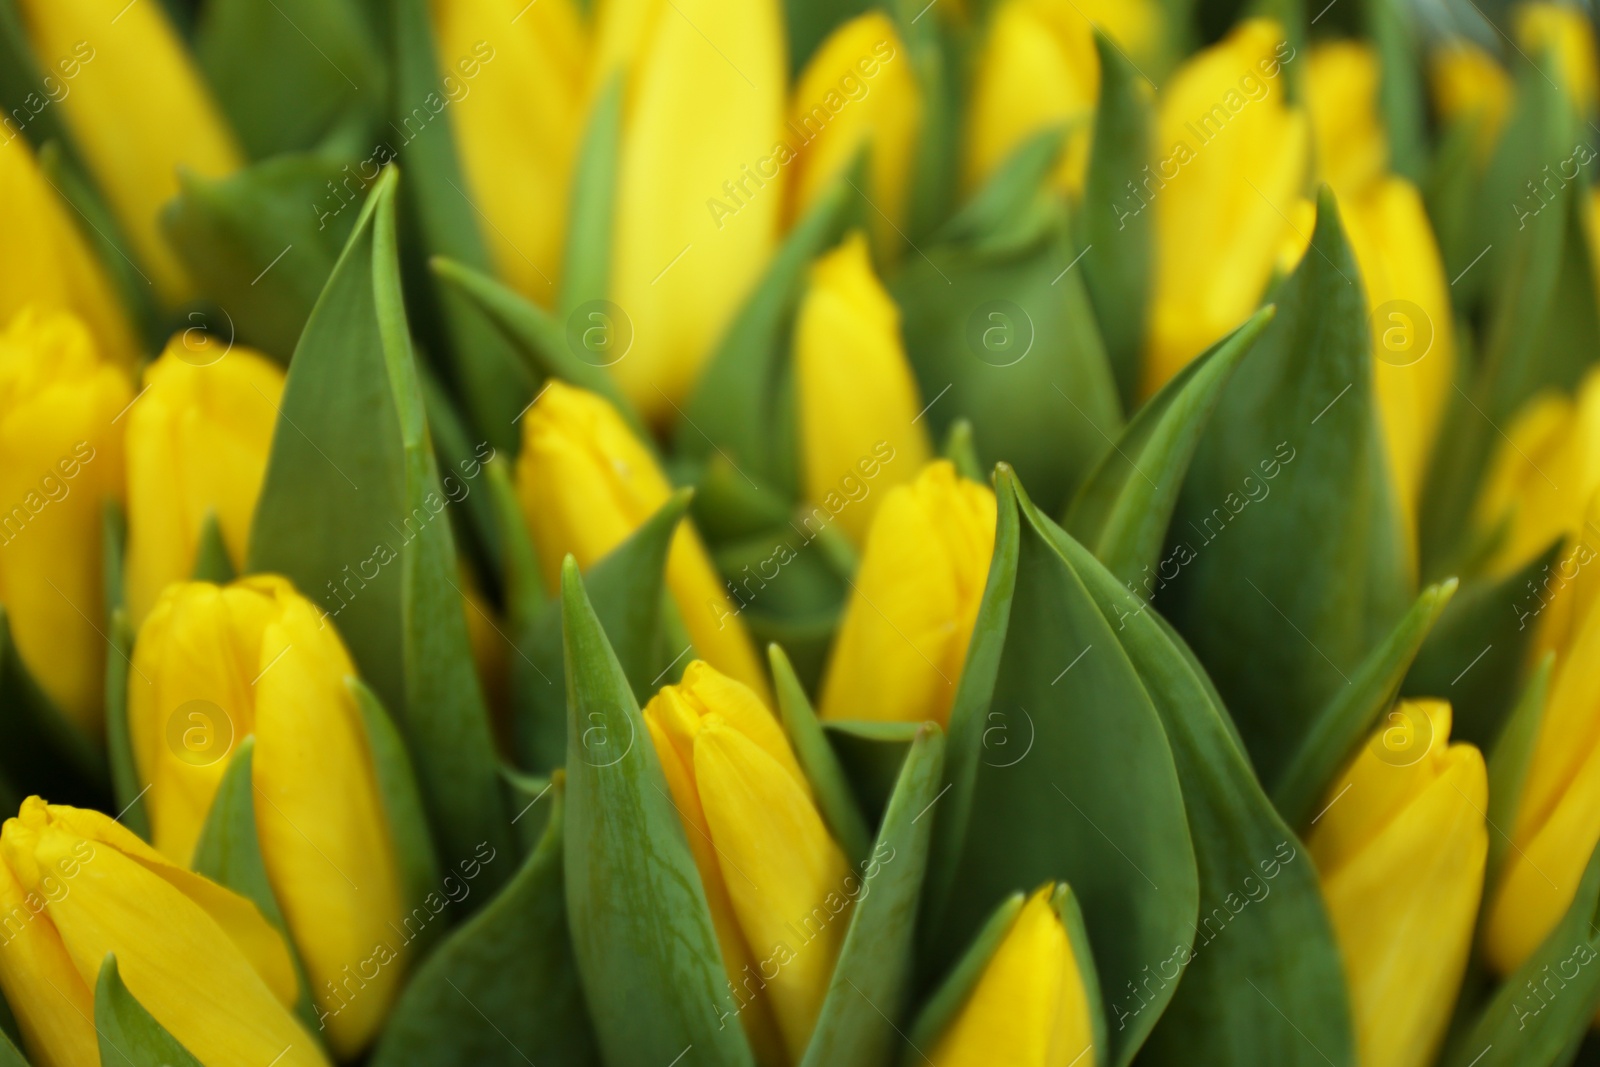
350	511
9	1056
945	1004
870	755
960	450
810	22
641	928
211	562
41	750
129	1035
1508	764
1400	100
125	788
818	760
586	274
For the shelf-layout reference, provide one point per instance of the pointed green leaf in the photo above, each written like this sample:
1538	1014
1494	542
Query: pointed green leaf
1509	760
352	511
462	458
933	58
1400	97
810	22
870	756
641	928
129	1035
947	1000
125	787
1242	998
818	760
1122	511
586	274
960	450
871	980
1015	206
532	818
1351	713
9	1055
1045	666
1292	556
211	562
501	990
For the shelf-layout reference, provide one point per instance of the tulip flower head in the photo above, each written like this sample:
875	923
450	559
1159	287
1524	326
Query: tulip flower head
778	886
1468	84
1030	1006
60	459
198	442
857	397
215	664
903	641
587	483
1562	33
1400	846
75	886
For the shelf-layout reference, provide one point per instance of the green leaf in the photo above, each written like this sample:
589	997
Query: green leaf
627	590
818	760
41	751
1292	555
350	510
1350	714
1045	665
1509	760
945	1004
1242	998
1390	25
211	562
870	983
1015	206
1521	1027
129	1035
125	788
870	756
641	928
287	72
501	990
1122	511
1117	226
462	459
932	57
810	22
524	792
960	450
9	1056
586	273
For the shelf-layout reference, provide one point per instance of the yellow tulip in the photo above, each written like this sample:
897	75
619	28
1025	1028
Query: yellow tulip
198	441
858	88
215	664
75	885
1466	82
138	110
1342	89
586	484
778	886
1232	165
60	459
857	398
1562	31
515	76
699	185
903	641
45	260
1030	1006
1400	846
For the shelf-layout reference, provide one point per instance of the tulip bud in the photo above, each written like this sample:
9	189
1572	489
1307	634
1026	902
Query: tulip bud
214	664
138	111
778	886
75	885
1400	846
857	397
514	73
903	641
60	458
1347	134
198	441
1234	161
1562	32
699	180
586	484
858	88
45	260
1467	81
1030	1006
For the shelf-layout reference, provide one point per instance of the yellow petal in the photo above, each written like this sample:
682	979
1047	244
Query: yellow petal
514	76
1467	82
138	110
52	1005
857	398
858	88
704	104
198	442
1563	32
1342	87
1232	160
60	459
1029	1007
900	649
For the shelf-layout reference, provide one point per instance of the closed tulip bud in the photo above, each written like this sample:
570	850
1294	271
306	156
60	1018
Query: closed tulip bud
45	260
139	109
1030	1006
778	886
514	73
1233	162
75	885
1562	32
858	88
1466	81
699	182
1347	134
60	459
586	484
858	400
214	664
198	441
903	641
1400	846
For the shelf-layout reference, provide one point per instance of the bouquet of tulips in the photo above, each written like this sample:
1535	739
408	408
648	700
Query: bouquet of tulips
799	533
